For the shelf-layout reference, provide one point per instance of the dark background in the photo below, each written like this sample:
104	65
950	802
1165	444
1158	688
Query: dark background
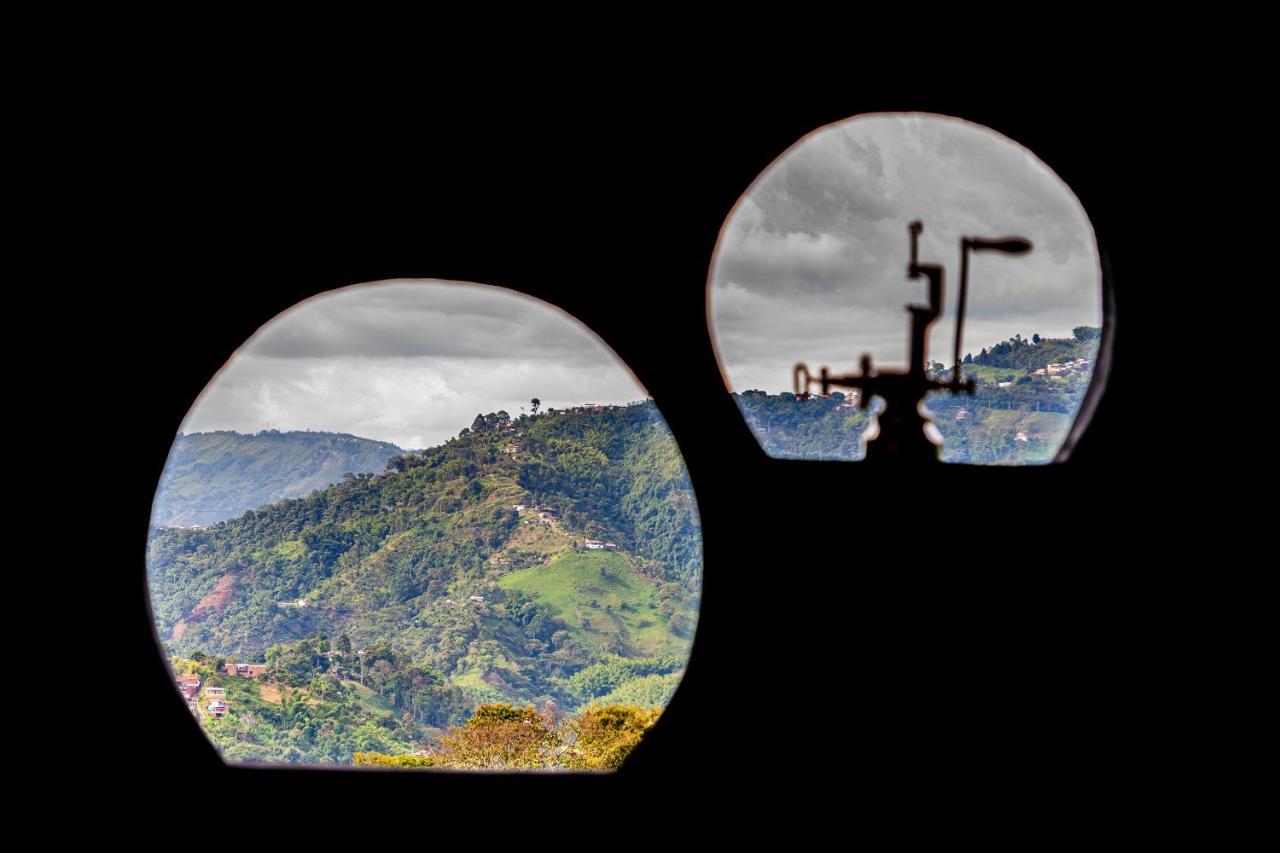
983	654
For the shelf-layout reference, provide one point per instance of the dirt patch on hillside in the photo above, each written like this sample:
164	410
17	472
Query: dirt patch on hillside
271	691
536	536
179	631
217	598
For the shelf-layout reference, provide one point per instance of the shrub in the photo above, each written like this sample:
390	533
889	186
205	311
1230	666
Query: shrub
378	759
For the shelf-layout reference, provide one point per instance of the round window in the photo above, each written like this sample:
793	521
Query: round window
909	287
425	524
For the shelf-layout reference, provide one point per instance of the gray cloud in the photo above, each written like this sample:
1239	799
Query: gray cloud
811	264
409	362
423	319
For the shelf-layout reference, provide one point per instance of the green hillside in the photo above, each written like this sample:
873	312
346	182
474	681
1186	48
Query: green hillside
602	597
212	476
427	586
1027	354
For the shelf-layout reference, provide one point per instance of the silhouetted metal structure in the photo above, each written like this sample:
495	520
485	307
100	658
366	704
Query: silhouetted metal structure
902	438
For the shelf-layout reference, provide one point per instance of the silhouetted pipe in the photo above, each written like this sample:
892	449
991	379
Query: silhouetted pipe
1009	245
902	438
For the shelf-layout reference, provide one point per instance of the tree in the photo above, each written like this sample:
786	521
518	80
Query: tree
534	404
604	737
500	736
1035	338
378	759
681	625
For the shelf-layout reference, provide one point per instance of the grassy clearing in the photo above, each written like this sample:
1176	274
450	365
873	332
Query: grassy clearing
291	549
601	597
1044	424
987	375
370	701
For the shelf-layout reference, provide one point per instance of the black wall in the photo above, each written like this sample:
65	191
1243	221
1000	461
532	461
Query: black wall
999	670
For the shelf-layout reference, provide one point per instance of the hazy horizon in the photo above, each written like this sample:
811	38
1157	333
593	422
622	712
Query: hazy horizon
306	430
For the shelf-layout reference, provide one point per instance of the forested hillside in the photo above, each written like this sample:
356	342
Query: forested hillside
547	558
1027	394
213	476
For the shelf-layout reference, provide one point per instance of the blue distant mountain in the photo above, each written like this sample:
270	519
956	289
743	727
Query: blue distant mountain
214	476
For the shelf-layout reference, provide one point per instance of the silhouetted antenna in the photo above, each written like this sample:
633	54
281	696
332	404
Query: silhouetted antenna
902	437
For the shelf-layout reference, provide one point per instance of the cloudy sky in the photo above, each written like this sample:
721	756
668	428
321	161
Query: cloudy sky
811	264
410	362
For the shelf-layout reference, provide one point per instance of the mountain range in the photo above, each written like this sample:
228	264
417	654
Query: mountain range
213	476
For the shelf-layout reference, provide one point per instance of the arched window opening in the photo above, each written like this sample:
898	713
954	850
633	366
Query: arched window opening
423	524
924	262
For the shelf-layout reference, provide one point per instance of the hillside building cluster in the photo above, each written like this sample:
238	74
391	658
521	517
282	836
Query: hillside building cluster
189	687
591	407
245	670
1064	368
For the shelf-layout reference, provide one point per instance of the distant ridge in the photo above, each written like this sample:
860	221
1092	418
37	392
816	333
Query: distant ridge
214	476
